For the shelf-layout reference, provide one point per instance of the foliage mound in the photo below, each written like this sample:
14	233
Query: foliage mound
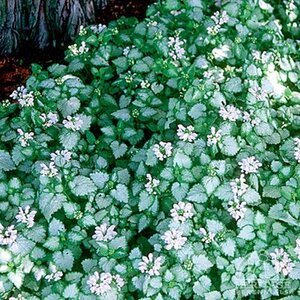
160	162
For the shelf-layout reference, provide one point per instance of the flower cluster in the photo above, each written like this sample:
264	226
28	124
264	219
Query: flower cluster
176	49
24	97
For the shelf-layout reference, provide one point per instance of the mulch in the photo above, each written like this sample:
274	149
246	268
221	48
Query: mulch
16	68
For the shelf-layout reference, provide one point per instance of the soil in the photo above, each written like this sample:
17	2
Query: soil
15	69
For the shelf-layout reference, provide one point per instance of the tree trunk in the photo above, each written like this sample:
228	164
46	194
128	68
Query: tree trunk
43	23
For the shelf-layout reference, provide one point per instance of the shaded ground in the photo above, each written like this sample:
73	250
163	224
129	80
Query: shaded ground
14	70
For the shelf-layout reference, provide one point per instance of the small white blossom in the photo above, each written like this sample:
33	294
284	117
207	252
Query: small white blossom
174	239
281	262
73	123
239	186
97	28
7	236
221	53
249	165
75	50
150	265
64	154
145	84
175	12
100	284
82	30
26	216
49	119
262	57
55	275
23	97
186	133
25	137
104	233
248	117
237	209
182	211
297	149
214	137
176	50
259	93
297	248
208	237
48	171
220	18
215	74
162	150
229	112
126	51
151	184
152	23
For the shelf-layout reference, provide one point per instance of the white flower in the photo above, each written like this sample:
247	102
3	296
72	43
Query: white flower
237	209
25	137
221	53
297	248
151	184
150	265
229	112
100	284
54	275
281	262
214	137
23	97
49	119
75	50
248	117
239	186
145	84
126	51
208	237
162	150
182	211
214	74
220	18
64	154
26	216
186	133
262	57
297	149
176	50
7	236
259	93
174	239
82	30
73	123
98	28
175	12
104	233
249	165
50	171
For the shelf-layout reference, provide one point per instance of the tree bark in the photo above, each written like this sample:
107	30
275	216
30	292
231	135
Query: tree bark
43	22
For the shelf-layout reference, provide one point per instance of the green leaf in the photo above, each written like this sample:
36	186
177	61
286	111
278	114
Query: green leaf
251	197
16	278
197	111
71	291
122	114
210	184
56	227
144	222
202	285
146	201
228	247
215	295
50	203
69	107
82	186
201	263
37	233
118	149
6	163
247	233
229	146
100	179
118	242
233	85
224	192
214	226
120	193
69	139
88	264
64	260
22	246
197	194
181	160
179	190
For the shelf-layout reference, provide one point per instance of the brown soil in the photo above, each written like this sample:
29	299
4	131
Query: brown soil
15	69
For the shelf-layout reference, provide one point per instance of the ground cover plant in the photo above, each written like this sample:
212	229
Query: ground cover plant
160	162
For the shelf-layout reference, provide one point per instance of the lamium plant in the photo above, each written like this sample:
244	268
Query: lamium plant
161	161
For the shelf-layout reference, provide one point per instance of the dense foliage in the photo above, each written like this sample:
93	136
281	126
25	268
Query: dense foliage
161	162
